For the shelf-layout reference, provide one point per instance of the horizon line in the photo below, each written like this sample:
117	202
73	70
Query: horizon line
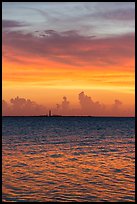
68	116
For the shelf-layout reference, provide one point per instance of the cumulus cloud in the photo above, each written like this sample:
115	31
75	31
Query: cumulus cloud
63	108
116	108
22	106
65	103
5	108
117	103
96	108
87	107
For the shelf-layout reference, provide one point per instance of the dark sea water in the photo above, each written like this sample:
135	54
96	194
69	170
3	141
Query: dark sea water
68	159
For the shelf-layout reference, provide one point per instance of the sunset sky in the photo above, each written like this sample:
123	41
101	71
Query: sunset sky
76	58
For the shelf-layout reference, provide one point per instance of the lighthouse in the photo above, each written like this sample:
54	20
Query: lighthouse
49	113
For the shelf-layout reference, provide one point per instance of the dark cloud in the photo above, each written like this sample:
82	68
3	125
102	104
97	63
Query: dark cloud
69	47
12	24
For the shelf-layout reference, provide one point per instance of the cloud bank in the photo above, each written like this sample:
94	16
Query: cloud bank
87	107
22	107
6	24
69	47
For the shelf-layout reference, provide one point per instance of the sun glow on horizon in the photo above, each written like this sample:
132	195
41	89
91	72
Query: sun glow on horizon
66	58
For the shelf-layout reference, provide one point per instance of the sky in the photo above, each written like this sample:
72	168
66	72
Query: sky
75	58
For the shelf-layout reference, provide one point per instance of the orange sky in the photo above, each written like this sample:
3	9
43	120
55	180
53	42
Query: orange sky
44	69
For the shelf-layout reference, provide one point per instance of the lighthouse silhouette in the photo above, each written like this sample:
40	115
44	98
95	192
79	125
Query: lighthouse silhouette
49	113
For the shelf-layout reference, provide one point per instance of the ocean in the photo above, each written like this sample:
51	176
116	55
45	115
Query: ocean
56	159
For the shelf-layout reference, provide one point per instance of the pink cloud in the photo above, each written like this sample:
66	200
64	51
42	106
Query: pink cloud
23	107
70	47
87	107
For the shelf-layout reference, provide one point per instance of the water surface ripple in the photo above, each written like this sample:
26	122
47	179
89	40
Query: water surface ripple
68	159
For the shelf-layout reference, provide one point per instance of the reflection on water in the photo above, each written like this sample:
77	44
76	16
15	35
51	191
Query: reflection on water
68	159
